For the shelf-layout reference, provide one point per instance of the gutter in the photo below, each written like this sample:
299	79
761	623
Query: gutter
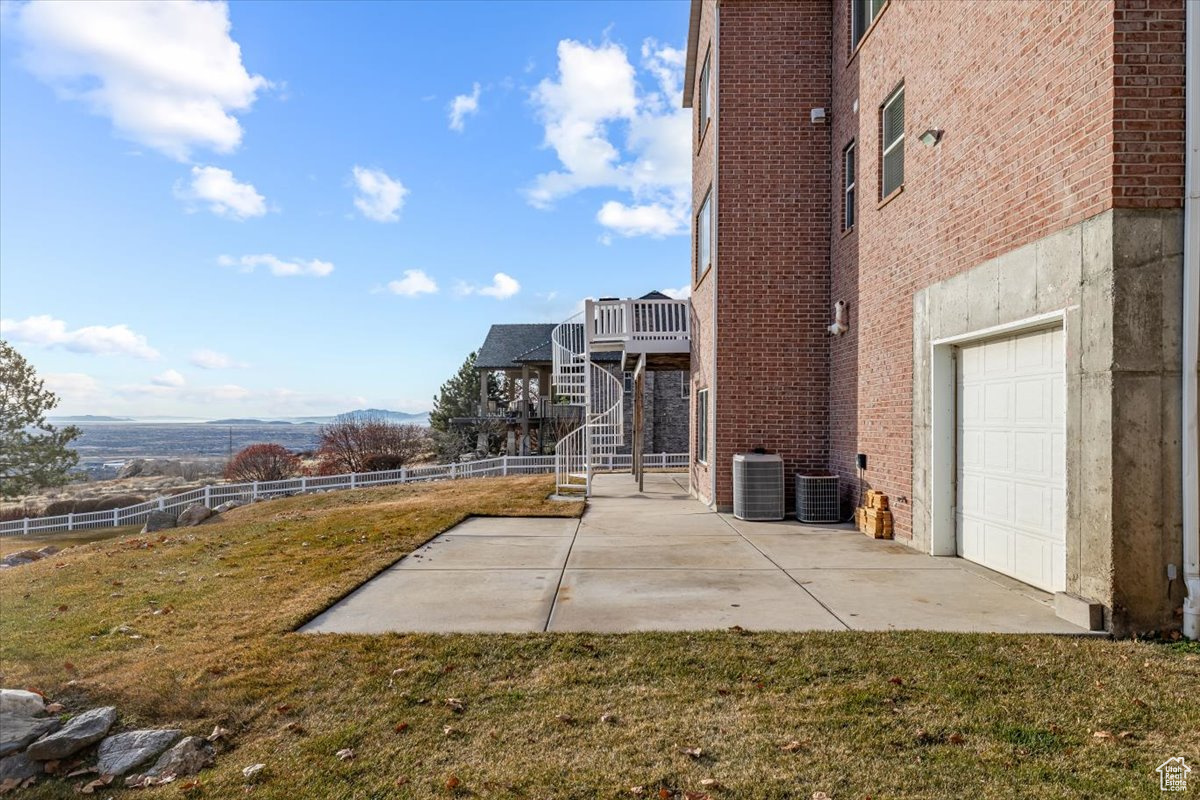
1191	326
715	276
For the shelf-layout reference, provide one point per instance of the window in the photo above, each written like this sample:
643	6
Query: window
704	236
702	426
628	382
685	385
848	185
892	140
704	111
862	14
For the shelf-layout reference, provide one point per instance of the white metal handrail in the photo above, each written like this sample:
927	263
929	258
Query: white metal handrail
215	494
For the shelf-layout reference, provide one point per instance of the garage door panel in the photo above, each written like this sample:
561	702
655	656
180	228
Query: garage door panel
1011	448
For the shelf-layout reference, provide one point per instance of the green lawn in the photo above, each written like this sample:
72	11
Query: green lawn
773	715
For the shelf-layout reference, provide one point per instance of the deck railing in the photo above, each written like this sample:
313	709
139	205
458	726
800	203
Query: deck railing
638	320
214	495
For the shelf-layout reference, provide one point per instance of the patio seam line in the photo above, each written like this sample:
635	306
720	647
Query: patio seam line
563	572
803	588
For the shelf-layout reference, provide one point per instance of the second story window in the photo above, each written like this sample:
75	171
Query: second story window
704	109
892	143
862	14
704	236
849	184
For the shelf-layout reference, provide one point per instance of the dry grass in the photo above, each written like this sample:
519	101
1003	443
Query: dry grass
1005	716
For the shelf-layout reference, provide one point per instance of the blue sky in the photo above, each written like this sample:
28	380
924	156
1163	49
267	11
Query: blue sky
277	209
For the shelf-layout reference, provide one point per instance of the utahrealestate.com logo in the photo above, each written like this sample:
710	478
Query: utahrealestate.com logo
1173	775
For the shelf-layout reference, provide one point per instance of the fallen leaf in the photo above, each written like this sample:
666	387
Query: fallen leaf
296	728
694	752
1102	735
345	754
99	783
448	731
252	770
403	779
401	727
55	708
696	796
1124	734
819	796
637	791
664	794
283	709
956	738
565	719
609	719
792	747
1139	702
63	608
710	783
453	782
455	705
217	734
896	680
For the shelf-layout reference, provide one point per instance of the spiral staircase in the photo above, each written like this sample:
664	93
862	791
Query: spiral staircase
631	327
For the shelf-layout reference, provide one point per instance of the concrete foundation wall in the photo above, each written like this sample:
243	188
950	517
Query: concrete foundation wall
1116	279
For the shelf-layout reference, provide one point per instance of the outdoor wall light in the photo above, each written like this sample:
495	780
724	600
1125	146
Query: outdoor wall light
931	136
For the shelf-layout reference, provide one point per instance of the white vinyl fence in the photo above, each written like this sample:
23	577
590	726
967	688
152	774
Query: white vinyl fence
214	495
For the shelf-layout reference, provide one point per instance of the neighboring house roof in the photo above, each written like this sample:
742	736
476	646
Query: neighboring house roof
655	295
505	343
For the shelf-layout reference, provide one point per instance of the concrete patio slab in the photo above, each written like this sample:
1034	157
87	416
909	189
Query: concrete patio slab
940	600
454	552
445	601
788	526
615	600
516	526
664	551
844	550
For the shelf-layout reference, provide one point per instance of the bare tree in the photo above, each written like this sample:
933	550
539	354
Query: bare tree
364	443
262	462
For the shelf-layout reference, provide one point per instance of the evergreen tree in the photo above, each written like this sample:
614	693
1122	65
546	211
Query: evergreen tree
459	397
33	453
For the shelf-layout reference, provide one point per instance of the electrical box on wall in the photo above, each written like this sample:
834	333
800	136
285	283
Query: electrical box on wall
861	460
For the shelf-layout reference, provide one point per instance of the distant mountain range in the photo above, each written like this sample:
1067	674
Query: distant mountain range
402	417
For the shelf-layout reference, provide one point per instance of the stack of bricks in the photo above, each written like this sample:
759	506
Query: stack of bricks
874	519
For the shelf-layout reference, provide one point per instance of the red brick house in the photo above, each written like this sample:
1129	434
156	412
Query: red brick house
994	192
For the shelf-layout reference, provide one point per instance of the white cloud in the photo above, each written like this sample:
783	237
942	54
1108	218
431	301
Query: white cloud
167	74
502	287
225	196
609	132
171	378
106	340
414	282
211	359
645	220
72	387
278	267
463	105
682	293
380	197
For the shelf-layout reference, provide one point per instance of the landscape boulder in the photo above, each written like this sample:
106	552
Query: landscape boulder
79	732
18	767
122	752
21	557
188	757
193	515
18	730
159	521
132	469
19	701
227	505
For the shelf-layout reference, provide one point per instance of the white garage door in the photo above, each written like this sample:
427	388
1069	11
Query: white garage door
1011	501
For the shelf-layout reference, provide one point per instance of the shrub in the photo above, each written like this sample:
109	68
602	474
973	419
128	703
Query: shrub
353	443
119	501
262	462
58	508
16	512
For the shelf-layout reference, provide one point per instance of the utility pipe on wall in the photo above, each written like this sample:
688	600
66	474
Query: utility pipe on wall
1191	326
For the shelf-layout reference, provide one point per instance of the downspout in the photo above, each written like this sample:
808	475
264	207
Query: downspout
716	249
1191	326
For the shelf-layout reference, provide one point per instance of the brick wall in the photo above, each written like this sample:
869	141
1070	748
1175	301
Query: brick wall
1044	127
773	217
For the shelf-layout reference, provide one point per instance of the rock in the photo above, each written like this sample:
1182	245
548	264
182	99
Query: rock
79	732
21	557
188	757
132	469
17	730
159	521
18	767
228	505
19	701
193	515
48	550
122	752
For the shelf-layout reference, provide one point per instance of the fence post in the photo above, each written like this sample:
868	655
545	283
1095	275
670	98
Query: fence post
453	471
208	495
353	475
116	517
162	504
504	465
25	526
253	491
404	474
70	520
303	483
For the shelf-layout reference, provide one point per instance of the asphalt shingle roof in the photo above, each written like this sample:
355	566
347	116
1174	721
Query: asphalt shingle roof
505	343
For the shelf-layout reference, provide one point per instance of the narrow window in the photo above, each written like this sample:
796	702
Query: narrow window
705	110
702	426
628	382
862	14
685	385
704	236
848	186
892	141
